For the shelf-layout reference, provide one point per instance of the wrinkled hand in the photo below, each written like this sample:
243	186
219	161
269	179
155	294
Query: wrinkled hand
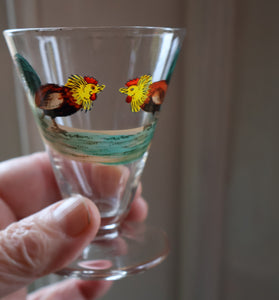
41	234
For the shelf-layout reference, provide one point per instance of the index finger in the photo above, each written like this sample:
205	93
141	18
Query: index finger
27	184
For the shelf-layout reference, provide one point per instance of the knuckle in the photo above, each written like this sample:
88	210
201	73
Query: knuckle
22	251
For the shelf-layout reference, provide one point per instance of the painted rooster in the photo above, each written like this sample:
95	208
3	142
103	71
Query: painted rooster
143	94
60	101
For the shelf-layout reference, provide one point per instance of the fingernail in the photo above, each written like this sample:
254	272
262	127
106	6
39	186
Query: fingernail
72	216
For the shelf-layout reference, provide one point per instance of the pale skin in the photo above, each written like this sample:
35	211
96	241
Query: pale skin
40	234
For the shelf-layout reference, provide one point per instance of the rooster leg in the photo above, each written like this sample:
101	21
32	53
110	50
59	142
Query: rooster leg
54	123
42	116
56	127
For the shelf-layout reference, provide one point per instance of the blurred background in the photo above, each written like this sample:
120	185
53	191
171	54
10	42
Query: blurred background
212	175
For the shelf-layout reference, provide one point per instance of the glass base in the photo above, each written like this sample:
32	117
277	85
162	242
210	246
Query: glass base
134	249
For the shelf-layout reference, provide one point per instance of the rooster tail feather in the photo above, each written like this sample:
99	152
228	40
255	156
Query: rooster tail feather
29	75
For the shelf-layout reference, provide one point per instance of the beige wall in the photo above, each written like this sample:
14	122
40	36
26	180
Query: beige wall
251	261
10	145
231	169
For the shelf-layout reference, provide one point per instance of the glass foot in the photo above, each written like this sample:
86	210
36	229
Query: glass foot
135	249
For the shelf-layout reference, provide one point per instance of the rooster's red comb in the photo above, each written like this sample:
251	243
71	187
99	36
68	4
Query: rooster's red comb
132	82
90	80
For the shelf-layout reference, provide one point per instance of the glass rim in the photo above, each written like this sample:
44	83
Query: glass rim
141	29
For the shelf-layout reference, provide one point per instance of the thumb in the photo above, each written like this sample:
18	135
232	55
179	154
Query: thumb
45	242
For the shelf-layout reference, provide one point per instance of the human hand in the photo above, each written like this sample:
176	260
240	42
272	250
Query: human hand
41	234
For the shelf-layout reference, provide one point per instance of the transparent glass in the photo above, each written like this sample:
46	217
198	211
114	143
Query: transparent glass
96	95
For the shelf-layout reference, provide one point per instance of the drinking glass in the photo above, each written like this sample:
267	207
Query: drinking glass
96	94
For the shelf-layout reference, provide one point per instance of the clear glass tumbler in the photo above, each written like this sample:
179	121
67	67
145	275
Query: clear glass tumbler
96	95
